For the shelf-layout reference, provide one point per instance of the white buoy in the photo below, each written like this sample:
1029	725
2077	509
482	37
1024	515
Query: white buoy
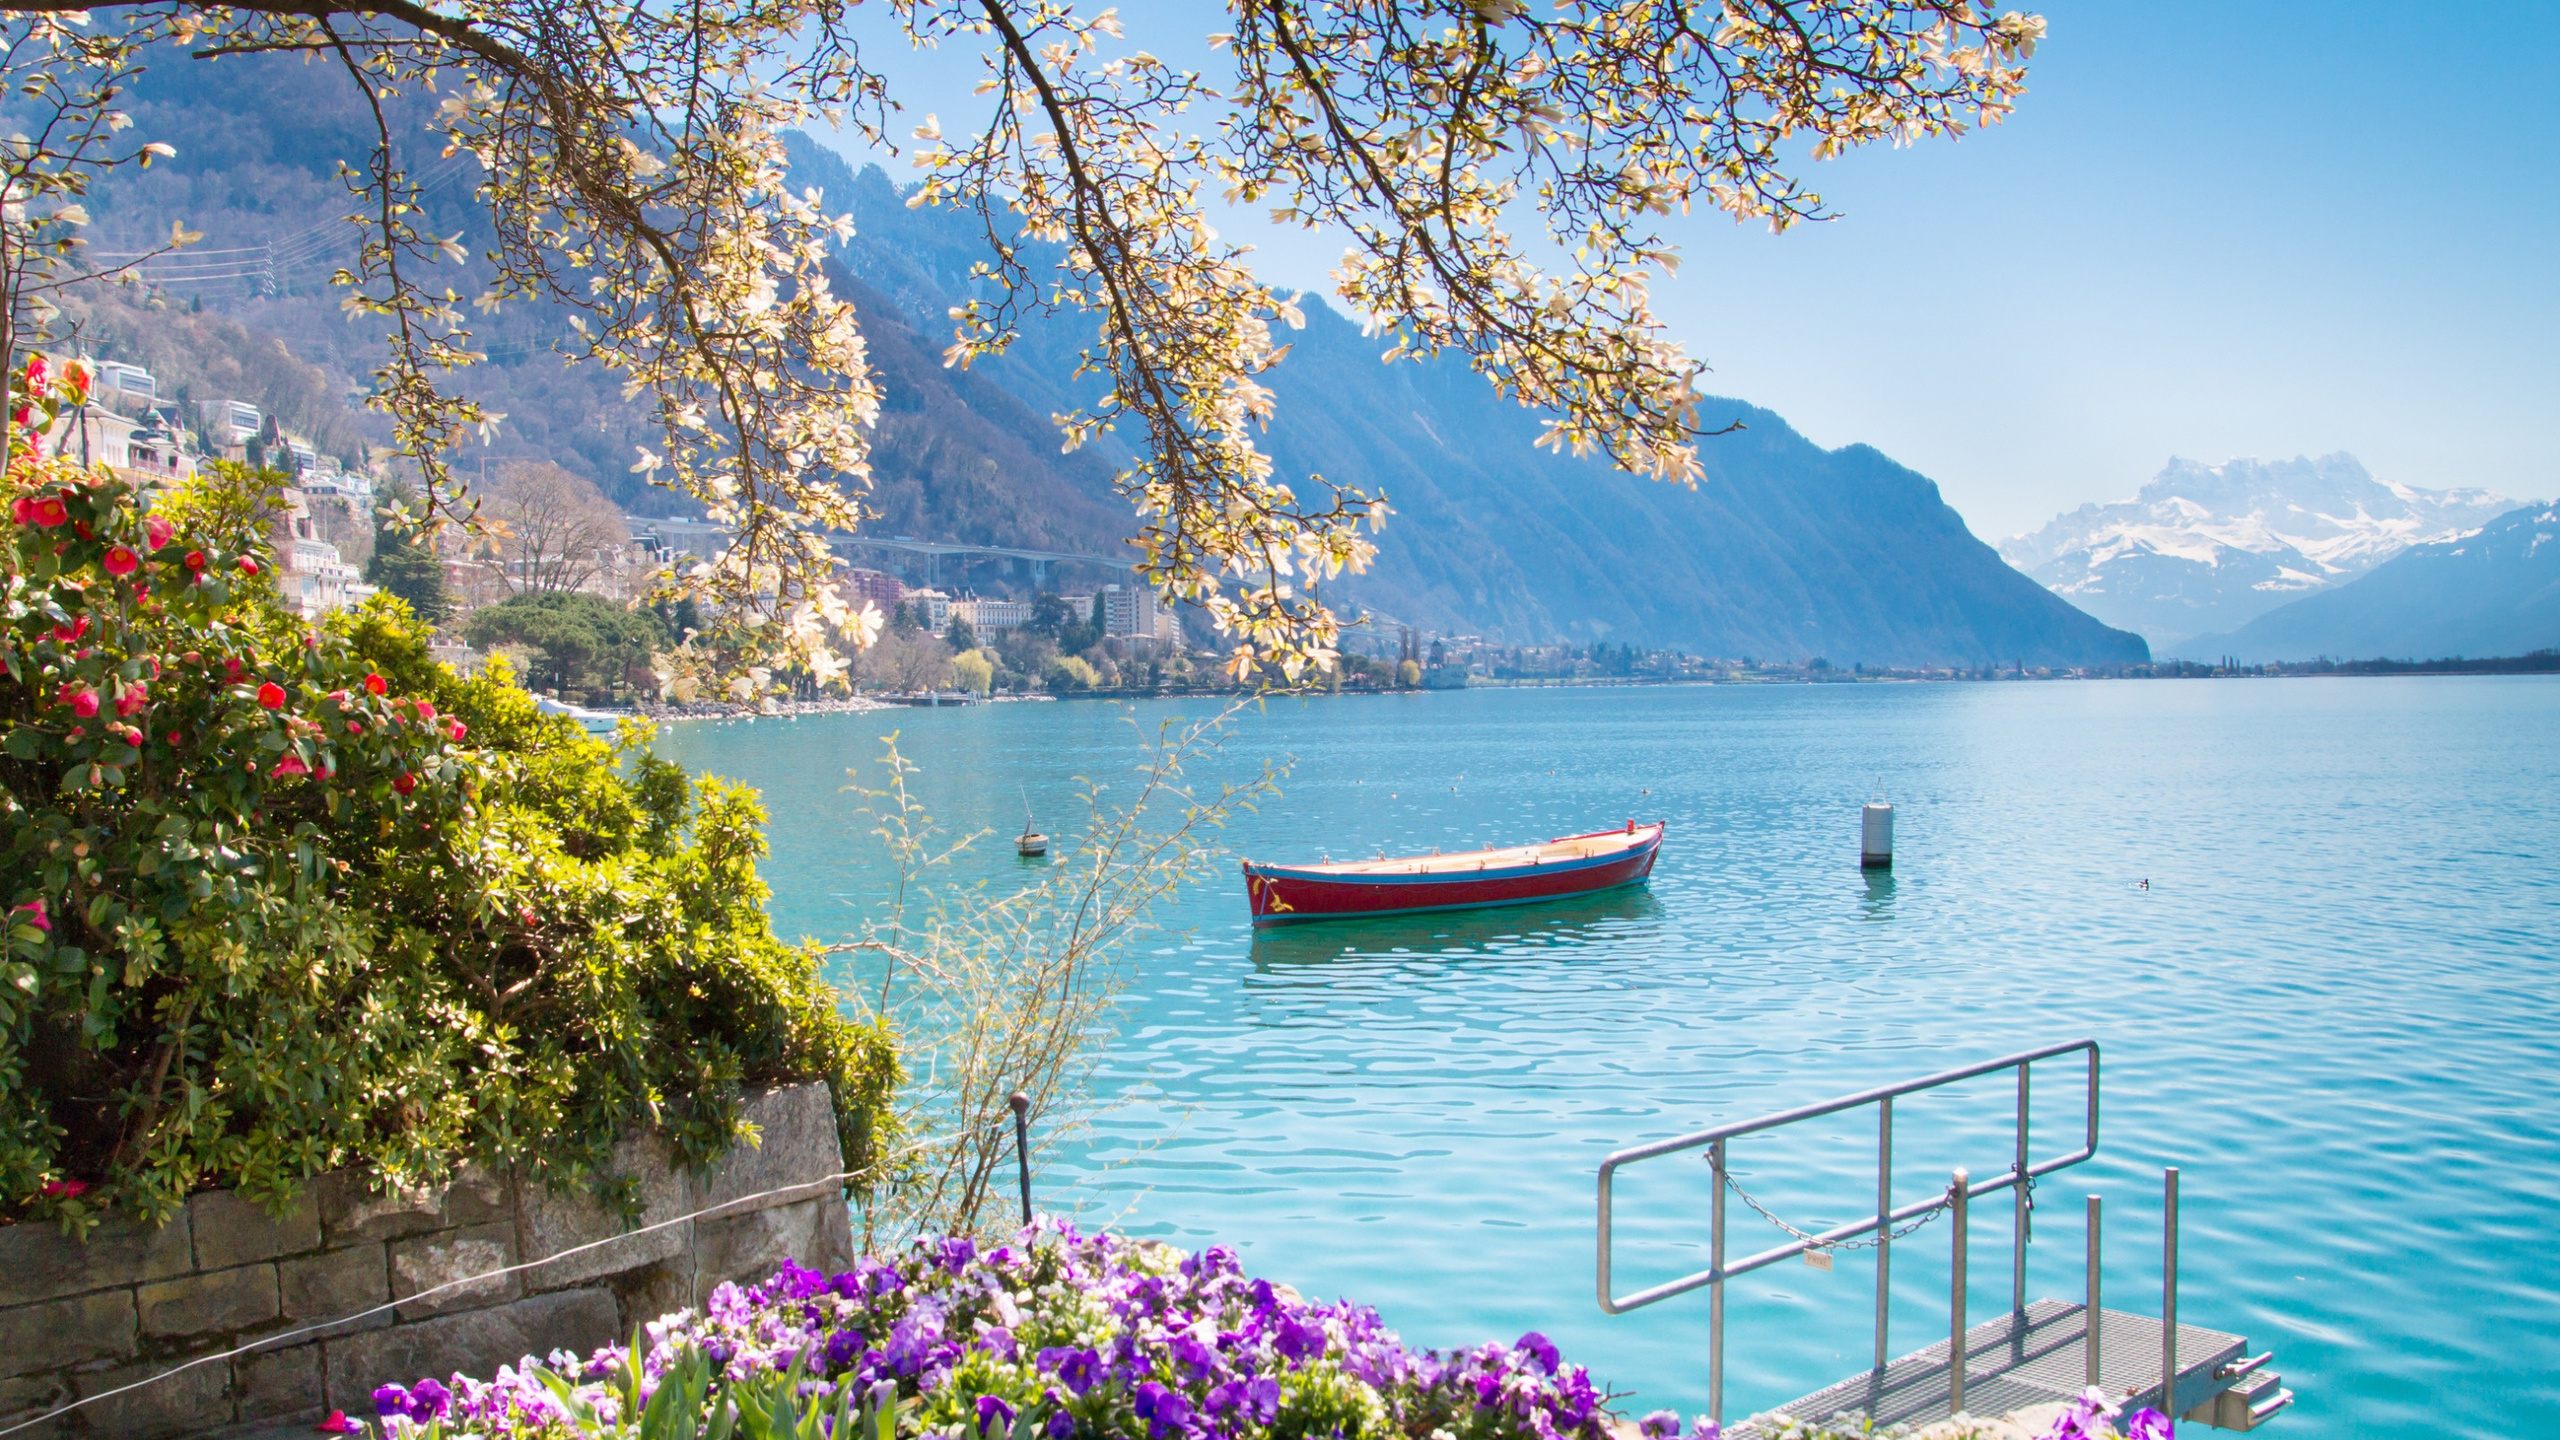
1875	836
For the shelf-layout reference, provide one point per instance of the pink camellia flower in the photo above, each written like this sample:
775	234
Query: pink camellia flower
36	373
404	783
50	511
64	1189
34	911
71	633
271	695
121	562
23	510
177	739
456	729
78	375
195	559
157	532
375	685
426	710
338	698
231	666
82	700
289	765
135	696
248	565
355	727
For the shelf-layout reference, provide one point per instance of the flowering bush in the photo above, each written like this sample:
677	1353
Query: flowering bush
1058	1336
1055	1336
284	899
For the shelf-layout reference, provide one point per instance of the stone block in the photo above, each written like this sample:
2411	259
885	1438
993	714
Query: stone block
196	1398
96	1326
475	1342
654	1290
231	1231
351	1211
798	1147
479	1195
336	1283
748	1248
208	1304
549	1221
38	1262
279	1384
422	1263
24	1397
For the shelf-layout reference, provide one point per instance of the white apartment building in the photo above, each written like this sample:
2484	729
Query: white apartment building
932	609
985	616
315	579
230	422
1136	612
119	381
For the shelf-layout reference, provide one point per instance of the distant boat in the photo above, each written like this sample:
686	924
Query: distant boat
594	722
1030	844
1471	880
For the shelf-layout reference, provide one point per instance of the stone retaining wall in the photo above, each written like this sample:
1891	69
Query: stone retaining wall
81	1319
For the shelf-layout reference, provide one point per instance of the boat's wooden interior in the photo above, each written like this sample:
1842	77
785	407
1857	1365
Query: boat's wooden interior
1577	847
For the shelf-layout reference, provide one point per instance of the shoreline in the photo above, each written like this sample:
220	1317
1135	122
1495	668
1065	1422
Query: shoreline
868	704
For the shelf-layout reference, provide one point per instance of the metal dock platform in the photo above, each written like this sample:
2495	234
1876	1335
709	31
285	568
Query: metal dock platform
2031	1354
2011	1365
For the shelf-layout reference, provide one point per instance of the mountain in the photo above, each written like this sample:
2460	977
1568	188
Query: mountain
1789	551
2490	593
2208	548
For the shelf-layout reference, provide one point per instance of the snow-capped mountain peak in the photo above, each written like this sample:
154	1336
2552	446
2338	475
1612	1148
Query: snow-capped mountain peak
2203	549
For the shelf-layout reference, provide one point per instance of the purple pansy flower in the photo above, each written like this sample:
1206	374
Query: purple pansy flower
2147	1425
995	1418
1078	1370
1166	1412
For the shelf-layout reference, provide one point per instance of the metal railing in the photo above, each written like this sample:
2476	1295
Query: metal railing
1958	1195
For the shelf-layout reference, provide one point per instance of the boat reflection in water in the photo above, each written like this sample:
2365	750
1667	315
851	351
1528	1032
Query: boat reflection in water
1515	933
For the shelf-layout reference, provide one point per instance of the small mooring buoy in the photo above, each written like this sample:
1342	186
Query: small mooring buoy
1875	836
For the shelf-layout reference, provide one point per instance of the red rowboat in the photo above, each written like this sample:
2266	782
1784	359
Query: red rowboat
1516	875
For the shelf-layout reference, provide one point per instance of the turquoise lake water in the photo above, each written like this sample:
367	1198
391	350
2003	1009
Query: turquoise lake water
2334	1007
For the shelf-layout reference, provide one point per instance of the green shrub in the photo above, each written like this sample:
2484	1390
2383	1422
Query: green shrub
1069	672
580	640
283	901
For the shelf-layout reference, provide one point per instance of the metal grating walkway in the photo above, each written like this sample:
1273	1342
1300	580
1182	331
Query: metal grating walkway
2010	1366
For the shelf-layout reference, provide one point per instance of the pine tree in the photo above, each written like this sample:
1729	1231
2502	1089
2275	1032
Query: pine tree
406	566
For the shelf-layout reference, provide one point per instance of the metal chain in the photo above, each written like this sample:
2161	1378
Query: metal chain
1816	1242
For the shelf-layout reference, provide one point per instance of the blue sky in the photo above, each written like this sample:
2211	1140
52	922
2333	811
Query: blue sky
2210	230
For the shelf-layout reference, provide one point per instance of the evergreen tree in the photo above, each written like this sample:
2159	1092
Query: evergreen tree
406	566
961	636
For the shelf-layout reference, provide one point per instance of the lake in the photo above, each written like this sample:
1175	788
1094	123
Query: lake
2332	1006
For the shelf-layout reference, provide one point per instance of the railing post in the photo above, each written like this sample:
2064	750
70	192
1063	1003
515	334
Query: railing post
1884	1222
1021	1104
2169	1300
1715	1291
2025	1209
2089	1325
1959	1194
